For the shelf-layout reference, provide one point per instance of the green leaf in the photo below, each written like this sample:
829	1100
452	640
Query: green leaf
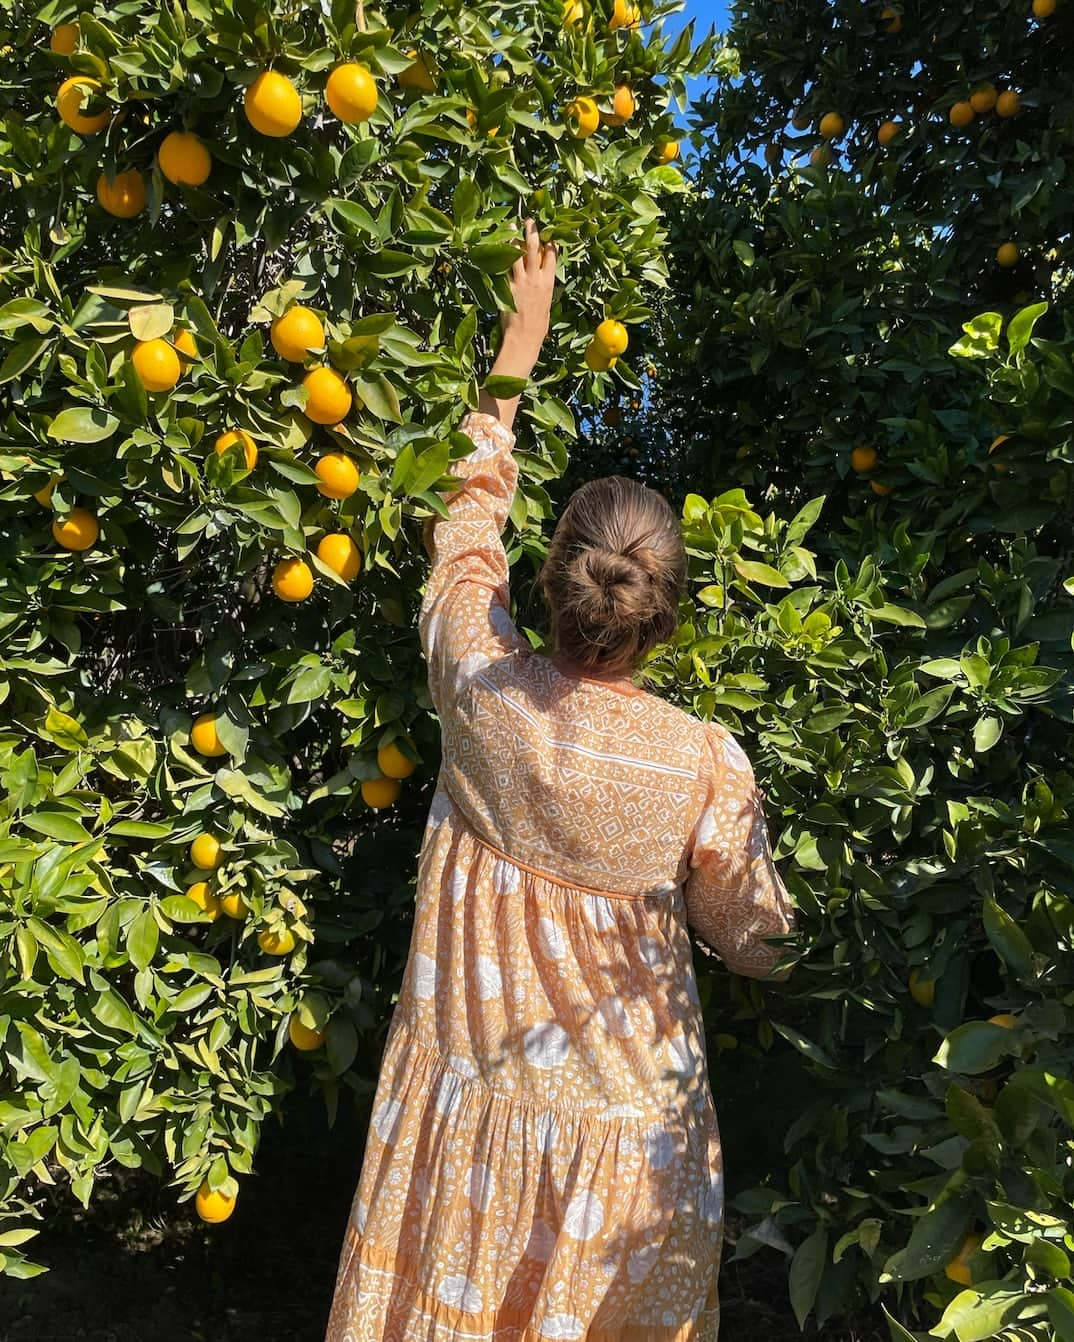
751	570
1007	938
933	1242
1060	1302
986	732
1020	327
57	825
981	338
142	937
980	1312
899	1333
151	321
744	251
812	1051
975	1047
378	396
897	615
65	730
82	424
807	1269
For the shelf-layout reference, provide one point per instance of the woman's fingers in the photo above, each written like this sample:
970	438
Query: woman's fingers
533	243
549	257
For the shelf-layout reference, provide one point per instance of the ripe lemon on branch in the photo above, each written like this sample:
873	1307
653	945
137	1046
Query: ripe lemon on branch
351	93
328	398
393	763
203	896
611	337
296	333
214	1205
339	553
237	438
184	159
64	39
292	580
77	531
73	95
379	793
338	475
204	738
206	852
417	75
272	104
583	117
124	195
156	364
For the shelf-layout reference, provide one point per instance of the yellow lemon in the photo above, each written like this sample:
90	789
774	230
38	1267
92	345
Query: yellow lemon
832	125
573	12
280	942
583	118
393	763
338	475
77	531
351	93
380	792
1043	9
1005	1019
124	195
887	132
1007	254
185	343
624	15
64	39
597	359
666	150
73	95
961	114
863	459
212	1205
1008	103
891	19
958	1269
342	556
328	398
204	898
156	364
922	989
292	580
297	332
983	99
44	494
303	1038
611	336
878	487
206	852
417	75
272	104
183	158
203	736
624	105
238	438
234	905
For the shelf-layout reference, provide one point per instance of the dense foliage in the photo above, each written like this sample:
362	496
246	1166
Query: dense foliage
844	340
198	752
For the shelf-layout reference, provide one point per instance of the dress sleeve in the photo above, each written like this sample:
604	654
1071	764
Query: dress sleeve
734	896
465	621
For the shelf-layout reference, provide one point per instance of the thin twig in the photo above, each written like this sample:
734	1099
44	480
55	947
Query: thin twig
359	15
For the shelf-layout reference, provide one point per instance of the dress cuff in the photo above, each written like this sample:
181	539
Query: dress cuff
487	431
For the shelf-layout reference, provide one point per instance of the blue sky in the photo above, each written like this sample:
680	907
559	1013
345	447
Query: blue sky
707	14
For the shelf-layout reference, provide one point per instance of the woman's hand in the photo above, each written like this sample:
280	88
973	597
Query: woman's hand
533	280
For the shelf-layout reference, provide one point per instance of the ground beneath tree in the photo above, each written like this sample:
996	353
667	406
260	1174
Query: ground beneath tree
138	1268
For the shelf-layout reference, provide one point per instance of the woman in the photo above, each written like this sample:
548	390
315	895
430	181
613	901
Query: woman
543	1158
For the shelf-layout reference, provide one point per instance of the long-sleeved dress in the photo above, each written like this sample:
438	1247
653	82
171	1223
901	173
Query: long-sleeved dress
543	1159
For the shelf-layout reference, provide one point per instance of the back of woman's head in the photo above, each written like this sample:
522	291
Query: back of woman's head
613	576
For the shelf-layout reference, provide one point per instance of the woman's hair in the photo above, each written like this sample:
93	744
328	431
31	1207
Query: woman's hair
613	576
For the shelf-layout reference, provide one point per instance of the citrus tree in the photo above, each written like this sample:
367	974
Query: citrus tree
250	260
882	609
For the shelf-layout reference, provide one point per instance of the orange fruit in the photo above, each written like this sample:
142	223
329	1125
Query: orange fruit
624	15
272	104
821	156
44	494
204	898
156	364
624	105
888	132
878	487
338	475
73	94
983	99
801	121
891	19
998	442
276	942
205	852
1007	254
573	12
124	195
63	39
958	1269
1043	9
296	332
238	438
863	459
185	343
1005	1019
961	114
77	531
183	158
351	93
472	120
303	1038
596	358
212	1205
832	125
611	336
393	763
328	398
380	792
234	905
292	580
342	556
1008	103
666	150
583	118
417	75
204	737
922	989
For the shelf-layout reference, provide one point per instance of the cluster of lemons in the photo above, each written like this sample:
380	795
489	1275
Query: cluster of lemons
609	340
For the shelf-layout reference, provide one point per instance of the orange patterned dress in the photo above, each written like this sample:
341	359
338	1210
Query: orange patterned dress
543	1159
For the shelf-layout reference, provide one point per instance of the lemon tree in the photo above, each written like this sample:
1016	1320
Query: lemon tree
867	401
250	261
